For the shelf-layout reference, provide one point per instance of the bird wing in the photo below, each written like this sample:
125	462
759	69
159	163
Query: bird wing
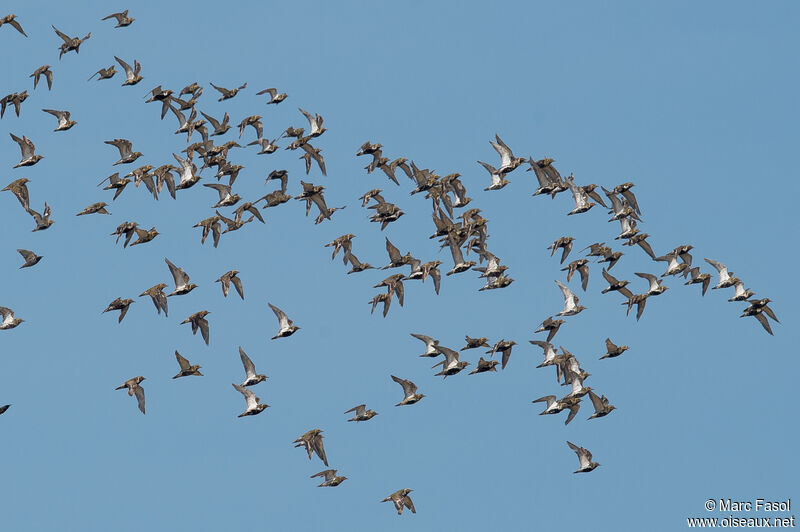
56	113
182	362
316	443
721	268
646	247
123	145
16	25
394	253
651	278
357	409
436	275
764	322
398	289
455	250
27	255
160	300
328	474
237	284
283	320
596	402
424	338
506	355
138	391
249	367
126	66
308	116
178	114
202	323
249	396
628	195
616	204
491	169
409	388
27	147
353	260
610	346
549	399
21	143
577	193
226	285
223	190
319	201
567	293
584	271
179	276
770	313
584	456
213	121
573	411
67	39
186	165
449	355
222	90
640	308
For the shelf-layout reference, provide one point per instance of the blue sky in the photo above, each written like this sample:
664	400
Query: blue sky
695	103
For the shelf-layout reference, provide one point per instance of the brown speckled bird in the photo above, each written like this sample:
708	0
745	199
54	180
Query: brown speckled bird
228	278
121	305
361	413
312	441
187	369
199	321
331	480
134	388
401	500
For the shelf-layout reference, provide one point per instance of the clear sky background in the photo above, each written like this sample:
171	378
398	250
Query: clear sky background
694	102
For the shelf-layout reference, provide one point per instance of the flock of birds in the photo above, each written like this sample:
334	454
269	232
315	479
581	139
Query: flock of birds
462	234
